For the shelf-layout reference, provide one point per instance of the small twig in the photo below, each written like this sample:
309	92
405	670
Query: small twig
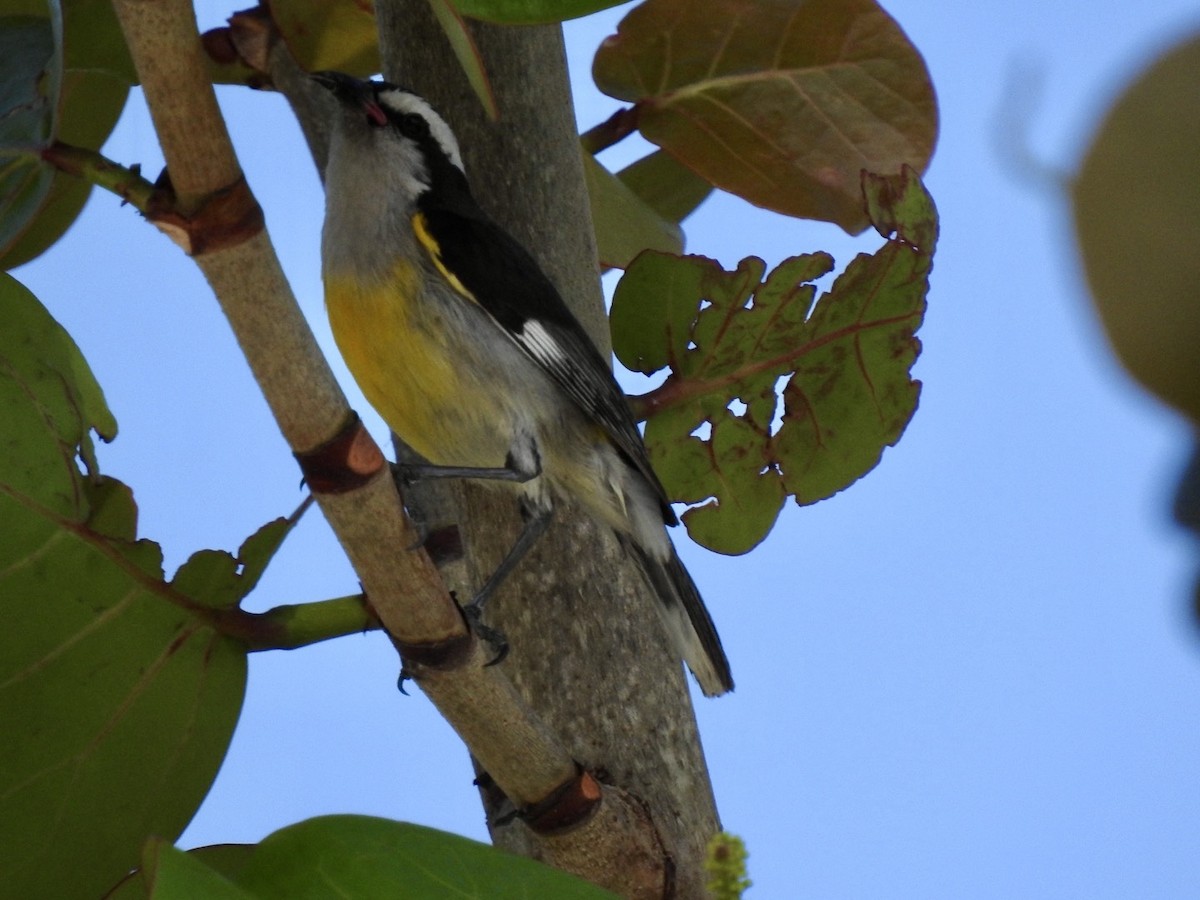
92	166
615	128
295	625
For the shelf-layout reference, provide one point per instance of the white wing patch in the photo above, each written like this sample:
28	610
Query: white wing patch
569	362
542	346
562	362
568	358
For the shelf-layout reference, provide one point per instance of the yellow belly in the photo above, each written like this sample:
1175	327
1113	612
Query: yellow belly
407	368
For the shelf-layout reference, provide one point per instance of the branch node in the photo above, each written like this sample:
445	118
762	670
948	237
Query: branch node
226	218
566	807
345	462
442	655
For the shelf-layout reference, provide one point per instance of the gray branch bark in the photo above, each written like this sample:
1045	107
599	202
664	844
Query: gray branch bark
588	652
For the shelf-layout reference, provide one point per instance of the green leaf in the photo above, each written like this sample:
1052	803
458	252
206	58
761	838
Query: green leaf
69	403
171	874
228	859
78	105
1136	205
531	12
113	513
30	78
30	84
220	579
92	36
342	35
258	549
366	858
624	224
467	53
208	872
120	699
782	103
769	393
91	104
668	187
94	41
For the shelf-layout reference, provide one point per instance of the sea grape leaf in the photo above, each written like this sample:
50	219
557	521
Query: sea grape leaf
1136	205
782	103
771	392
120	693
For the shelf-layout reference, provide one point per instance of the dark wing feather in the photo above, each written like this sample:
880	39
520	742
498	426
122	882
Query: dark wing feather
503	279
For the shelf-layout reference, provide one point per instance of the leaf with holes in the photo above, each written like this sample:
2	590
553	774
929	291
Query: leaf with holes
771	394
782	103
119	694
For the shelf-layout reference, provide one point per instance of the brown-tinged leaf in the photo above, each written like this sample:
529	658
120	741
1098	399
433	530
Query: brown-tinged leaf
1136	204
782	103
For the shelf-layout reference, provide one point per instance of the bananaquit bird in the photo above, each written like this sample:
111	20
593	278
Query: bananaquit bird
466	349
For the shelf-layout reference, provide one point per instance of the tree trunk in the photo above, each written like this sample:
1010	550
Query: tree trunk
588	652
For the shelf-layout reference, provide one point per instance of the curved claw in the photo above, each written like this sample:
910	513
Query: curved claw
493	637
404	676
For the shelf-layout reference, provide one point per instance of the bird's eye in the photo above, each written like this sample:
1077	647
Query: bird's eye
414	125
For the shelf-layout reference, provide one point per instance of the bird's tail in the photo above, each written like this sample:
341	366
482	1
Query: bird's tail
689	625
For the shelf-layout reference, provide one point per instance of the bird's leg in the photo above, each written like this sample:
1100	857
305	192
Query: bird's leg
537	519
407	473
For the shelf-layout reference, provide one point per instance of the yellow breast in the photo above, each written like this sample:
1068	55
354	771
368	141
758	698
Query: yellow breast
403	366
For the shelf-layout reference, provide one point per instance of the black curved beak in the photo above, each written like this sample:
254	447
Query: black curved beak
346	88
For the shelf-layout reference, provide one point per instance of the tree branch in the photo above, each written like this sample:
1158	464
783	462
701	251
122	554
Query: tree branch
405	589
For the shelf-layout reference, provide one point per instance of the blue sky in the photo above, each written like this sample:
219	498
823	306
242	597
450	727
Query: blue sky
972	674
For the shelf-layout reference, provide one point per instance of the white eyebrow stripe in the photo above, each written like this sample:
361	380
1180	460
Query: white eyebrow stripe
400	101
